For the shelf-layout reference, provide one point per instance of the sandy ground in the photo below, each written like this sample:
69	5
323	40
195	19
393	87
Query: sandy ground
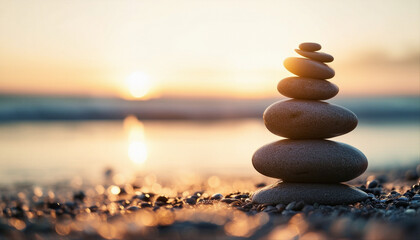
213	207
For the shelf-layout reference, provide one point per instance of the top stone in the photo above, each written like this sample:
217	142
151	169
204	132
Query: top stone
309	46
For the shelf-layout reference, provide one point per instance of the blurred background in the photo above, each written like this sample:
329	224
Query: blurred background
179	87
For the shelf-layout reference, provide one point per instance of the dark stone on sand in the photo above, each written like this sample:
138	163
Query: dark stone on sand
143	196
416	197
145	205
248	206
306	119
299	206
374	191
290	206
395	193
162	199
240	196
93	208
328	194
54	205
313	161
402	199
401	202
198	194
133	208
228	200
270	209
216	196
195	197
79	196
191	200
408	194
70	205
373	184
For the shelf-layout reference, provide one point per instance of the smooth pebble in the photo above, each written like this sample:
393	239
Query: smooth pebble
310	161
307	88
308	68
310	46
305	119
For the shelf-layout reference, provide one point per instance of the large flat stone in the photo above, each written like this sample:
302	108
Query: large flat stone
310	161
310	193
306	119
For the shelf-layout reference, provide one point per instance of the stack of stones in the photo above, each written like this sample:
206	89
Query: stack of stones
310	168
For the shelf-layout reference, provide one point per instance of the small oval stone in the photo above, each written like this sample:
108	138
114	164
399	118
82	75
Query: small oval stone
191	200
310	46
133	208
305	119
307	88
308	68
309	161
373	184
310	193
317	56
216	196
163	199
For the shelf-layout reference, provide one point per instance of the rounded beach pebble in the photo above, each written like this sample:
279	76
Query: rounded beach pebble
305	119
327	194
308	68
310	46
316	161
307	88
317	56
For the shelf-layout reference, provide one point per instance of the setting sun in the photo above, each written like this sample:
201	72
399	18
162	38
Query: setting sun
139	85
188	119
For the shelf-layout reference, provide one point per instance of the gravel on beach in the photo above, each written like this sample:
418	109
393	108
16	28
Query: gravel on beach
146	209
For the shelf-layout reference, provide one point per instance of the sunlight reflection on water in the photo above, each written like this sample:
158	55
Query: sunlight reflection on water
137	149
48	151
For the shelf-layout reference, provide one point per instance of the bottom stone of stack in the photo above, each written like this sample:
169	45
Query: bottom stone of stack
310	193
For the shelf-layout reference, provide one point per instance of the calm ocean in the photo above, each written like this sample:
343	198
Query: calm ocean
39	144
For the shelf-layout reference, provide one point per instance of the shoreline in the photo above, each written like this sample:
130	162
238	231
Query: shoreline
393	173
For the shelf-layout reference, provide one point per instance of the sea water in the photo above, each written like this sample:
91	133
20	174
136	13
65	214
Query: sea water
51	151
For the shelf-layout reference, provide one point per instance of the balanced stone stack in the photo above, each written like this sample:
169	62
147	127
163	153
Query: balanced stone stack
310	168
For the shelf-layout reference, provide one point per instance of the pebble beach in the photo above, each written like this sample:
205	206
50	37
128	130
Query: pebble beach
202	120
217	207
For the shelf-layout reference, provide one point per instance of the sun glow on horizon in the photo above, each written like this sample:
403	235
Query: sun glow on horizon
139	85
199	49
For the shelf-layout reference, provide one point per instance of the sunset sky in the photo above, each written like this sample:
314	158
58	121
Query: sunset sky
203	48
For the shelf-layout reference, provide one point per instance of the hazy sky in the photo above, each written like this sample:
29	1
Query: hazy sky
204	48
